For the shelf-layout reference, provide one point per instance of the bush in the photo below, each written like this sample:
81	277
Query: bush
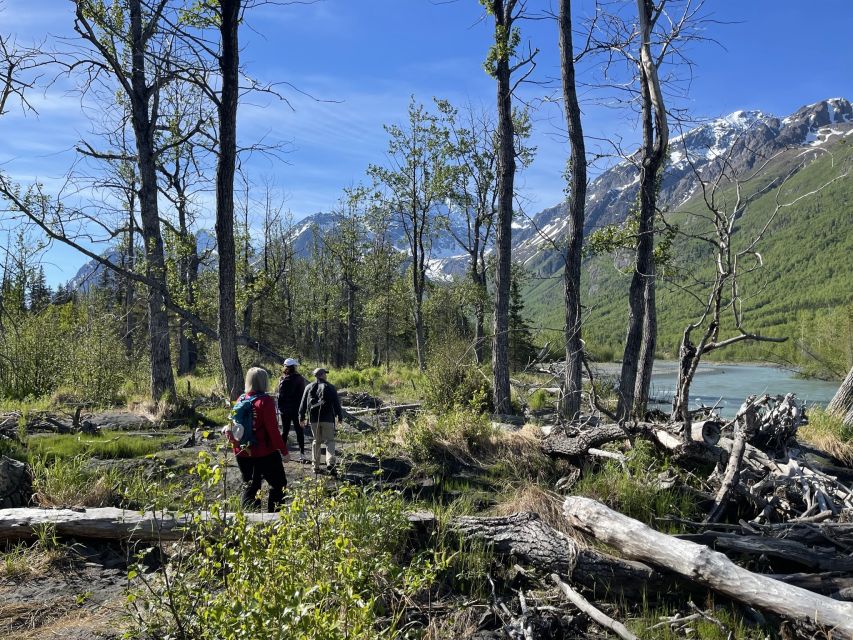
539	399
64	348
452	382
318	571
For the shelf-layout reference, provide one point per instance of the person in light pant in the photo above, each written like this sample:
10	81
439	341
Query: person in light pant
321	406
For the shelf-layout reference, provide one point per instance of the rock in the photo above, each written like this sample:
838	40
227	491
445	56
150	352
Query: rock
16	483
506	426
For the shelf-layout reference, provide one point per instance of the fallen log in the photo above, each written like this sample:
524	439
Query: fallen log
602	620
838	586
109	523
818	558
558	442
709	568
391	408
526	537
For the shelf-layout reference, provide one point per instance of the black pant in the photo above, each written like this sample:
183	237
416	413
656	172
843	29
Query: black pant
255	471
293	419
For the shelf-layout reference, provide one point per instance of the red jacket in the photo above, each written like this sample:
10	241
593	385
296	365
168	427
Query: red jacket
265	428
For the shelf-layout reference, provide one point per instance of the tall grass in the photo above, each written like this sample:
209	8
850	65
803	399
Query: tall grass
828	432
634	490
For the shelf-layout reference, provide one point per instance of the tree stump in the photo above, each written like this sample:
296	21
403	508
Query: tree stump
16	483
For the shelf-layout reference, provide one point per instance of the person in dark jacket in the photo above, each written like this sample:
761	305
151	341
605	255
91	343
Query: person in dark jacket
291	386
262	460
321	405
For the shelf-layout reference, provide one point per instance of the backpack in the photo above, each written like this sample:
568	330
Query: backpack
316	403
241	420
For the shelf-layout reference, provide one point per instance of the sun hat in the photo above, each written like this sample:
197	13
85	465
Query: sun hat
319	370
290	362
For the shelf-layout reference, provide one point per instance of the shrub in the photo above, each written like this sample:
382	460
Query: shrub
453	381
318	571
539	399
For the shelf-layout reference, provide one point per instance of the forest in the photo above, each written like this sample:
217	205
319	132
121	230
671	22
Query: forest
519	487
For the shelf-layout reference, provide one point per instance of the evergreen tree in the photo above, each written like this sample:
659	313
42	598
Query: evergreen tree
39	294
521	347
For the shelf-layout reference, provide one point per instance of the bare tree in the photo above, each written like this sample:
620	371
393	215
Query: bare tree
727	198
134	53
576	201
842	402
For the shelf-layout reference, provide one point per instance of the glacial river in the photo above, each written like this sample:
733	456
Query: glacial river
728	384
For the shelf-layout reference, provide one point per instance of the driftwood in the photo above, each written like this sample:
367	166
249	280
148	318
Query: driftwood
598	616
731	476
574	442
109	523
526	537
709	568
396	409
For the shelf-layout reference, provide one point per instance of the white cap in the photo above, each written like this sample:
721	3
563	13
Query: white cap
290	362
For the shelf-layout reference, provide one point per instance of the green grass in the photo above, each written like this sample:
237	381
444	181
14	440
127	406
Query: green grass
728	625
828	432
633	490
109	445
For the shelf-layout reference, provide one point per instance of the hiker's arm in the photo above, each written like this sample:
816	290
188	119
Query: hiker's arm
303	405
336	406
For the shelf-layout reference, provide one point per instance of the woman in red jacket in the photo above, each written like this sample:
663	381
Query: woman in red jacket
262	460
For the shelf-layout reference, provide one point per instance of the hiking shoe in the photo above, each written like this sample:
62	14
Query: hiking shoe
302	459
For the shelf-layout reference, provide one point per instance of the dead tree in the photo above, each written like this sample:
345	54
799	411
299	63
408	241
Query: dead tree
721	216
571	398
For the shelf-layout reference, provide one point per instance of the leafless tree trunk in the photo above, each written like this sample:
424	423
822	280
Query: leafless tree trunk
642	320
229	64
842	401
142	92
571	400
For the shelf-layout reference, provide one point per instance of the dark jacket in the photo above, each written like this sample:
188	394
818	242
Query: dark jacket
331	408
290	390
265	428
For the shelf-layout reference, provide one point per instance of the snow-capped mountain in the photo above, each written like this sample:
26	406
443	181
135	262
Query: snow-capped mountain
744	138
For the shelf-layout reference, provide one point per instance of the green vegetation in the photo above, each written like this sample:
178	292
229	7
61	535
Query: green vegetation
108	445
793	294
722	624
828	432
240	580
635	491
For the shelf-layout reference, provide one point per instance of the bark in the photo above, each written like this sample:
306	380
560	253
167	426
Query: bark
571	402
109	523
842	402
709	568
732	474
526	537
162	379
558	442
503	221
229	62
640	341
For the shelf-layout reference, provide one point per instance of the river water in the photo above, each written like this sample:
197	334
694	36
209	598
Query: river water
726	385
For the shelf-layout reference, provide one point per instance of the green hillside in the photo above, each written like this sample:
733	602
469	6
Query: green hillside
803	291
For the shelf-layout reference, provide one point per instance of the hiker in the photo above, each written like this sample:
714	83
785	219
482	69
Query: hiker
321	406
257	442
291	386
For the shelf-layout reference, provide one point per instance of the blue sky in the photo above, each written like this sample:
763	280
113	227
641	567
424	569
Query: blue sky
367	57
